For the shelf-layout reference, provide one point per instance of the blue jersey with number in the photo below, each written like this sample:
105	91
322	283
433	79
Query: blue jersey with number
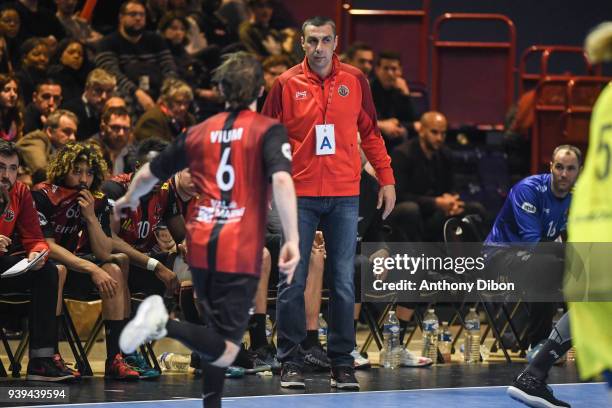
531	213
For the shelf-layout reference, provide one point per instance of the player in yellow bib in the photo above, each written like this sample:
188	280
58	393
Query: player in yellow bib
591	221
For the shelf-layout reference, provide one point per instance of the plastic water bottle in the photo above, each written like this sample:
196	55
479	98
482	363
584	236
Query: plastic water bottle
430	335
322	330
390	355
269	329
174	362
472	337
445	342
556	319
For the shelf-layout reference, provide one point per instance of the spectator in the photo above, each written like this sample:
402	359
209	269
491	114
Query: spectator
391	98
75	26
424	175
155	11
273	67
139	59
11	37
34	64
361	55
326	170
115	102
74	217
214	26
170	116
256	34
11	109
19	222
88	106
45	100
173	27
70	67
115	140
37	147
39	22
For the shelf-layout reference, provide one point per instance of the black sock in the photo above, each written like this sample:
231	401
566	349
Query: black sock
312	339
113	330
403	327
257	331
188	305
546	357
212	385
58	327
204	340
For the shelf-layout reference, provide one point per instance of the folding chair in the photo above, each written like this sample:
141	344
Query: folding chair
22	299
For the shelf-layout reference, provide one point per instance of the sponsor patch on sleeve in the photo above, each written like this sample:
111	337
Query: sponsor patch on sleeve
528	207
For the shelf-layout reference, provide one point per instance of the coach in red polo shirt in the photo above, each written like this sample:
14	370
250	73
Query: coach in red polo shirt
325	105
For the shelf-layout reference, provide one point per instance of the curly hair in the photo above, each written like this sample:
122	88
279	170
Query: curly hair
10	116
73	153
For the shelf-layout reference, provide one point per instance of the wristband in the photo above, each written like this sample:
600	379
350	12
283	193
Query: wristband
152	264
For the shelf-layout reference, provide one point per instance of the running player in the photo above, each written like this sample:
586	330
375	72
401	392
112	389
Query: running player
231	157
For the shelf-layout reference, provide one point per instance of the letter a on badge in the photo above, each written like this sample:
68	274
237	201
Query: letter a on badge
326	140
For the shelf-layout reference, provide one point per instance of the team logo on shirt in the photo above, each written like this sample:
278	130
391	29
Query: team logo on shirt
286	150
343	91
528	207
42	219
9	215
300	95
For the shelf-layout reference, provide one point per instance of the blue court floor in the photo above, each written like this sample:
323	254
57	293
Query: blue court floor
590	395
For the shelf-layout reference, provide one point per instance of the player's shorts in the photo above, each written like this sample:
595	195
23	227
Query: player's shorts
225	299
80	285
141	280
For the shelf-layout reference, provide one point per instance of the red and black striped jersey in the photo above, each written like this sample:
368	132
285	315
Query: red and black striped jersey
185	207
137	226
60	215
20	223
231	157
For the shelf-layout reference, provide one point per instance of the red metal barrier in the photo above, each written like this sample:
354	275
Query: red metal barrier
403	31
473	81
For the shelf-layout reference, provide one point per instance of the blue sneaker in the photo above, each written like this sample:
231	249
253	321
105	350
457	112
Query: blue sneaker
234	372
139	364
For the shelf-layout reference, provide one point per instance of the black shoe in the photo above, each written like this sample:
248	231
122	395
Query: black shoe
343	378
534	392
45	369
266	355
291	376
316	357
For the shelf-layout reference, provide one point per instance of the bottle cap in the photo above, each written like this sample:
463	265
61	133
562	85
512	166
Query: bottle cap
430	310
472	309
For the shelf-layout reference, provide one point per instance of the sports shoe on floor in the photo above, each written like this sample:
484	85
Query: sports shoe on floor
148	324
118	369
291	376
316	357
63	366
139	363
234	372
343	378
360	362
267	355
534	392
47	369
408	359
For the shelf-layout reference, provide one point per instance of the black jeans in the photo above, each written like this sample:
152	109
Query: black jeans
42	285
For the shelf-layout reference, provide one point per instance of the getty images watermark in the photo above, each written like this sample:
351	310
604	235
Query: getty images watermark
438	272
